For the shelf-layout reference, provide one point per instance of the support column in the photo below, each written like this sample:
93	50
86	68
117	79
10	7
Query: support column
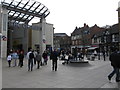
0	47
119	21
42	36
0	28
4	29
25	38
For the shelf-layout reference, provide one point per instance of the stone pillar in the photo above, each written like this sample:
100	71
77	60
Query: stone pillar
0	48
119	21
0	28
42	36
25	38
4	29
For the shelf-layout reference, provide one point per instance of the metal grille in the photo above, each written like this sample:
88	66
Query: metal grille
24	10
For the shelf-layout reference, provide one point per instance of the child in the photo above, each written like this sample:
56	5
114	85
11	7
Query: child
9	58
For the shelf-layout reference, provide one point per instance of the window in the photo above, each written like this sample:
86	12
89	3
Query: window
116	38
95	40
72	42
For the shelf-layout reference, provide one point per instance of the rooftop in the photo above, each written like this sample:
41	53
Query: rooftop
24	10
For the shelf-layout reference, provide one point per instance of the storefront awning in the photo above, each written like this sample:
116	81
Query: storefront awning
92	48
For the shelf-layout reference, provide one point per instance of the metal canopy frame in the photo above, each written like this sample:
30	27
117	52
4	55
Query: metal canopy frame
24	10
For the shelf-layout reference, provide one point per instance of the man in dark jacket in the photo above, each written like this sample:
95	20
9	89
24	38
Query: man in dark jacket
30	56
54	59
21	57
115	62
38	59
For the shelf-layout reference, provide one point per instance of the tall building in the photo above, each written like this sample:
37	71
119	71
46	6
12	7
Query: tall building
82	37
107	39
62	41
37	39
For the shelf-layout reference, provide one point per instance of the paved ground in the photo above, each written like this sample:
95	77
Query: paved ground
82	75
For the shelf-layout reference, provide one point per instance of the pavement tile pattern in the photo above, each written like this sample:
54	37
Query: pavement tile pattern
72	75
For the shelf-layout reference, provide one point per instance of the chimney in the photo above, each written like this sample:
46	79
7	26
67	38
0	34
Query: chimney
85	25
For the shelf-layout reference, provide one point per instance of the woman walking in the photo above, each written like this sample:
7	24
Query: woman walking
21	57
45	57
9	58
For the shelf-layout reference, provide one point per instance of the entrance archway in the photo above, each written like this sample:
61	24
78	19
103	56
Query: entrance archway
20	13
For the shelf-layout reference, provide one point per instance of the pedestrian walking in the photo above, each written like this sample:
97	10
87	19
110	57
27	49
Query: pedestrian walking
21	57
38	59
104	54
14	57
30	57
95	53
66	59
63	55
115	63
54	58
9	59
80	56
35	53
75	53
45	57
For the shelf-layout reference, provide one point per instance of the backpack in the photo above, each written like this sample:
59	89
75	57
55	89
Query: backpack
31	56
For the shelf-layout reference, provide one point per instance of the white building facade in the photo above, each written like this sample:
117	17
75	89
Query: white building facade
42	36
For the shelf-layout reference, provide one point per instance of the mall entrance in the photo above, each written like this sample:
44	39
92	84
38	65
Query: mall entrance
19	13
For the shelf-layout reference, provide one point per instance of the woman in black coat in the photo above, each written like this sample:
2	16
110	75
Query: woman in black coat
21	57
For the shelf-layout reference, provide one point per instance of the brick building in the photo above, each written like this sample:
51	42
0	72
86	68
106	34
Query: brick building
62	41
82	37
107	38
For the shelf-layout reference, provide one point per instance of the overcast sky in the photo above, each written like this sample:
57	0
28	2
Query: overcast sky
67	14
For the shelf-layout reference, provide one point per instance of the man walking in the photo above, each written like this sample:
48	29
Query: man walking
115	62
38	59
15	57
104	54
30	57
54	58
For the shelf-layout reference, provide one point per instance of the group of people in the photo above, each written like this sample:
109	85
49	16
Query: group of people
14	56
68	55
37	57
34	58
